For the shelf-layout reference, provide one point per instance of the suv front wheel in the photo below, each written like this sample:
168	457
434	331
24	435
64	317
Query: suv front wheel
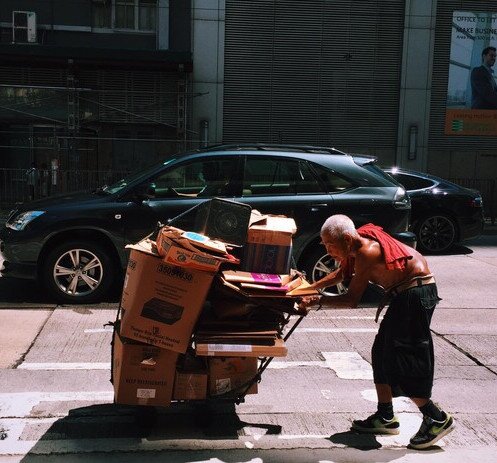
78	272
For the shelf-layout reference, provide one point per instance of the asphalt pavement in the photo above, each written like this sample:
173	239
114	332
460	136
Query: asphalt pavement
56	398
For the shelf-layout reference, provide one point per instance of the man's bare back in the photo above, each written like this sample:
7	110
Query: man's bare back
369	260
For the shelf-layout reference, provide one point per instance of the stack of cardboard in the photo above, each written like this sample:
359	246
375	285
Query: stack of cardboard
181	337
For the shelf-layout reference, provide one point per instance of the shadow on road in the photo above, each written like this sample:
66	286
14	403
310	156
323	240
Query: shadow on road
183	421
17	290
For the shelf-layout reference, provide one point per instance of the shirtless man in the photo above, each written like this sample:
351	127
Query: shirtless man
402	352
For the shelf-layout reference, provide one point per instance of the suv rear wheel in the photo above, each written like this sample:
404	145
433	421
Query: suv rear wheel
78	272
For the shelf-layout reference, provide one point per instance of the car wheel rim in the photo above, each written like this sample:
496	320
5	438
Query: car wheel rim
324	266
437	233
78	272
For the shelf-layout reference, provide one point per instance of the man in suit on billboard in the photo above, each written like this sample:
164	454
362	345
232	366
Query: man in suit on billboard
483	85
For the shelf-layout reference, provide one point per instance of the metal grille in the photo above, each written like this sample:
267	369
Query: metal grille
33	76
318	72
132	96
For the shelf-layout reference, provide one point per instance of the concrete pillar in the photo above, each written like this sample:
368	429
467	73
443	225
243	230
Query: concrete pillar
415	85
208	67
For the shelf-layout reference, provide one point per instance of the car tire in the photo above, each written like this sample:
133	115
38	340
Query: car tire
436	233
316	264
78	272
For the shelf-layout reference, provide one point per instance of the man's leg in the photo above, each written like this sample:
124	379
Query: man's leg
383	421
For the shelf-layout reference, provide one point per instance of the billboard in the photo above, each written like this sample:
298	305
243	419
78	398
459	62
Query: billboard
471	107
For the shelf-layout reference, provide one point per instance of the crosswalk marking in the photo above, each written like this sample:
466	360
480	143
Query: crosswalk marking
348	365
65	366
336	330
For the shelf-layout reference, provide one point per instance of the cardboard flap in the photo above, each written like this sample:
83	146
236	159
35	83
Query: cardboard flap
275	223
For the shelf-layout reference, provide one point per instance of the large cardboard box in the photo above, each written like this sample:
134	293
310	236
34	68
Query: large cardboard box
232	374
142	374
269	245
160	302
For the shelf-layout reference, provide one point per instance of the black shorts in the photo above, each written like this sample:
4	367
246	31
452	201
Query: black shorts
402	354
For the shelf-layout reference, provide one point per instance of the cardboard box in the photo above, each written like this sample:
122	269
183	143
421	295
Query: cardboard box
232	374
269	245
277	349
142	374
161	303
190	385
174	254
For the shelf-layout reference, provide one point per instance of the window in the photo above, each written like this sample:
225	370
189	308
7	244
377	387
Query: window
125	14
268	177
135	14
333	182
102	13
205	178
146	15
410	182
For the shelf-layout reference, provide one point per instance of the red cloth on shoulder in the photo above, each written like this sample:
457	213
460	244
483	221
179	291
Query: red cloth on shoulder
396	254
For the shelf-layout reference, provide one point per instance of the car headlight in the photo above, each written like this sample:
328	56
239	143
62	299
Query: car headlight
20	221
401	199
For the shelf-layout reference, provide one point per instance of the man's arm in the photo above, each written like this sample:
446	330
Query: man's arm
332	279
352	297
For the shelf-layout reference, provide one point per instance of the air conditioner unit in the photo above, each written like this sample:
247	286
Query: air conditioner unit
24	27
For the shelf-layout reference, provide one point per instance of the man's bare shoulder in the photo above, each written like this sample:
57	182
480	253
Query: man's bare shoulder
370	250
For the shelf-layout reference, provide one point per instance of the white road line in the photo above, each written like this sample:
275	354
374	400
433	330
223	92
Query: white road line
65	366
280	365
19	404
336	330
99	330
348	365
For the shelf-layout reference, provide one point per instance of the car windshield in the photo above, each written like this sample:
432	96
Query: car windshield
120	184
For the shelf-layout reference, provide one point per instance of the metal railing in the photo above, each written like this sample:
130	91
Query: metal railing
20	185
16	185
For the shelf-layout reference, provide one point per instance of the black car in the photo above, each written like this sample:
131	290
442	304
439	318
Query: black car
442	213
75	244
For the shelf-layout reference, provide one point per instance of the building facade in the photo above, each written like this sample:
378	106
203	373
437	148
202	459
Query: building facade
96	85
363	76
117	84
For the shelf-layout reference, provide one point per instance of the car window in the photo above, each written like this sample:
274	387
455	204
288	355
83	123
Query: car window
203	178
334	183
278	176
410	182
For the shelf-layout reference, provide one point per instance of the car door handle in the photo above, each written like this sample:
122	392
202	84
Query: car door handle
318	207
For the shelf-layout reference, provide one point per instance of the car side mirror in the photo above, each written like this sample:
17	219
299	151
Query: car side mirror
145	191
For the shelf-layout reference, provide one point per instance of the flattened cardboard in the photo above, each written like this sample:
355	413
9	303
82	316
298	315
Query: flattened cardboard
239	276
173	254
160	302
278	349
142	374
232	374
252	292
